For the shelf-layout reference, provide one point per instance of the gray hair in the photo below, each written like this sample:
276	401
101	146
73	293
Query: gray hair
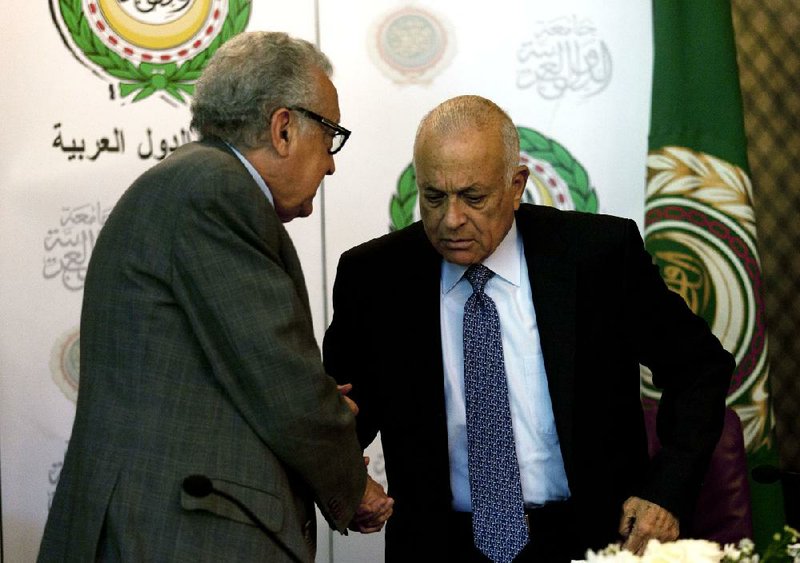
472	112
248	78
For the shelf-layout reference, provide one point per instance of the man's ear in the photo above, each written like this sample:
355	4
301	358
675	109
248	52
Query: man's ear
281	131
518	183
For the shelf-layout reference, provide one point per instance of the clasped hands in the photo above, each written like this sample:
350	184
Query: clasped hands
376	507
642	521
374	510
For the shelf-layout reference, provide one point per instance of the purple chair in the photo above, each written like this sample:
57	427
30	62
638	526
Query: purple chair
724	512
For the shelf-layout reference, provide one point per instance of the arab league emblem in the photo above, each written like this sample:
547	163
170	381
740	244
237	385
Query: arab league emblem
701	230
411	45
148	46
557	180
65	363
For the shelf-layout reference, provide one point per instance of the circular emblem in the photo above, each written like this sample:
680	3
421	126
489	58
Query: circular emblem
700	229
557	179
149	45
411	45
65	363
160	32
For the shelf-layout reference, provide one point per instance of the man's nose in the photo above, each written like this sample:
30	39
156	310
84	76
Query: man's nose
454	214
331	166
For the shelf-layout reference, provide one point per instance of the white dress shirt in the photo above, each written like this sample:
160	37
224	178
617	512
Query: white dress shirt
538	451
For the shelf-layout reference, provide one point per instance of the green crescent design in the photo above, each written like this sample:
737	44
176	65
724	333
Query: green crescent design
147	79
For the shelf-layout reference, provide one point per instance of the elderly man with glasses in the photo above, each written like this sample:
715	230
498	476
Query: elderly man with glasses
206	426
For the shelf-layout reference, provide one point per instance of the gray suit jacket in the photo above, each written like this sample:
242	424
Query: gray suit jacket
198	357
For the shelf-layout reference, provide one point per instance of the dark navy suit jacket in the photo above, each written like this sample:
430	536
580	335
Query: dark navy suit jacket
602	309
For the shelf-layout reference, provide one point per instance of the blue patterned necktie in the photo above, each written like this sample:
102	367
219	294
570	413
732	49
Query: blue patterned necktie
498	516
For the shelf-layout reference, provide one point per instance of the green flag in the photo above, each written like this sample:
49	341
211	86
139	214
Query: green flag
699	221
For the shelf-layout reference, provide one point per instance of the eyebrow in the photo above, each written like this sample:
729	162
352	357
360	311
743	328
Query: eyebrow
456	190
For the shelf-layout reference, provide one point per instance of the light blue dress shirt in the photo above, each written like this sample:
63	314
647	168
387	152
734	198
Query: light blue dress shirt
254	173
538	451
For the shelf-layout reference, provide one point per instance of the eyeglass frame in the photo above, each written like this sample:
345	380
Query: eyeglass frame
337	129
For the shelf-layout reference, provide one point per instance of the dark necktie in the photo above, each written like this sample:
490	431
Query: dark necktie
498	516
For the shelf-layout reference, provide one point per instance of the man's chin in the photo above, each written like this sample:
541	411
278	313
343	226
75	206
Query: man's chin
460	257
286	215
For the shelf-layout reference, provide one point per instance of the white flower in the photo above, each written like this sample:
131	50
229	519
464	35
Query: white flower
794	551
732	552
747	546
694	551
699	551
610	554
743	552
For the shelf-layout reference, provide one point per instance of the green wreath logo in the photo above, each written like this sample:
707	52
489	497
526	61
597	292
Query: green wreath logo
557	179
145	54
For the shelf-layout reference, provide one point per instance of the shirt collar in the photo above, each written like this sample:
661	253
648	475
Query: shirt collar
504	262
254	173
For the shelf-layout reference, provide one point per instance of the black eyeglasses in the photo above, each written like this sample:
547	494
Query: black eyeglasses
340	134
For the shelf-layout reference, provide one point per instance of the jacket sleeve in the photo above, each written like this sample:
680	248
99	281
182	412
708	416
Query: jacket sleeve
346	357
232	274
693	371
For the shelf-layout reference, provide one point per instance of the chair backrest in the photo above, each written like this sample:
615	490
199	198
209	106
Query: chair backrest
724	510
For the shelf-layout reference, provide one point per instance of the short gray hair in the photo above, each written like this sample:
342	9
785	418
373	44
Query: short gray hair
471	112
248	78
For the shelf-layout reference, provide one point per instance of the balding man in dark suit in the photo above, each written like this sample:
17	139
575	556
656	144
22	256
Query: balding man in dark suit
580	305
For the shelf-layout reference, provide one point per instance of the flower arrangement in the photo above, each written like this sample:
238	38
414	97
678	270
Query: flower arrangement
785	548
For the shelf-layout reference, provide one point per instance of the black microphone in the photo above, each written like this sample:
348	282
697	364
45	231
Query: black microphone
200	486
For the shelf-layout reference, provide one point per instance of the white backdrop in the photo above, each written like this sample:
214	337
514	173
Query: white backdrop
575	72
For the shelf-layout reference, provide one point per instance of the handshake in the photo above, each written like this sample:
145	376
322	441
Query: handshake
374	510
376	506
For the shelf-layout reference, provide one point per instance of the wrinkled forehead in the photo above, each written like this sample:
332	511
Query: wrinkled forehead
458	163
459	147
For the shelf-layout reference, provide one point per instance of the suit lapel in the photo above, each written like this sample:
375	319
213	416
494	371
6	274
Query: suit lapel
286	250
553	284
291	262
425	322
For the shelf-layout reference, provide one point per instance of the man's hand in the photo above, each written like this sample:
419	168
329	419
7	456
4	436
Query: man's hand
642	521
374	510
344	390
